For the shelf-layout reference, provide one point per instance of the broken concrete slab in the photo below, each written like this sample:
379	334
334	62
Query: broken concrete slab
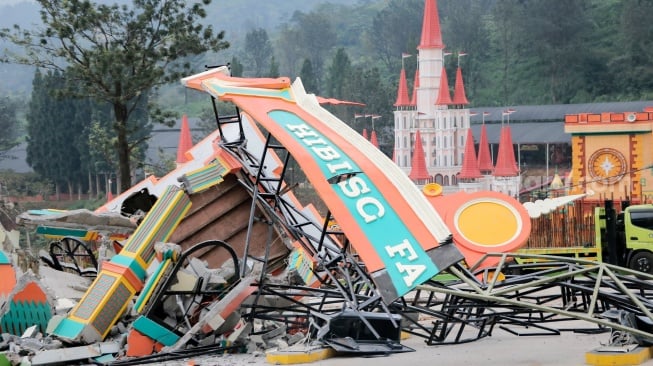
64	356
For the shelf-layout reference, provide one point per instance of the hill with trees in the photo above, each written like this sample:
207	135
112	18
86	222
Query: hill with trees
518	52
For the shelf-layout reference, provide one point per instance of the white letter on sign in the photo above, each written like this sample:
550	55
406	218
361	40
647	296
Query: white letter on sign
412	272
401	250
405	250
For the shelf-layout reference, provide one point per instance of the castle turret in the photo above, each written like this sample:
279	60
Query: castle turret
444	96
418	173
506	174
459	97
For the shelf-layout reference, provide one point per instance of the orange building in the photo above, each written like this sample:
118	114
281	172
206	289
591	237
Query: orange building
612	154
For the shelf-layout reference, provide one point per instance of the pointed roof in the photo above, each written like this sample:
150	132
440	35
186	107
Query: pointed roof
556	183
444	96
459	96
413	99
109	195
418	169
402	90
373	139
484	156
431	34
506	166
469	169
185	140
365	133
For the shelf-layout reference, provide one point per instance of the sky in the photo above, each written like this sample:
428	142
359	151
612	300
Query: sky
11	2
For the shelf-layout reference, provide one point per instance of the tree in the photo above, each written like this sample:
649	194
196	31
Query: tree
308	77
8	126
258	49
315	38
339	73
634	62
55	127
117	53
466	31
288	49
560	27
274	68
367	86
395	29
236	67
504	35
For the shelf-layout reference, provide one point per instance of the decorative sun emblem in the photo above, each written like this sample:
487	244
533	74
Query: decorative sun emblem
607	165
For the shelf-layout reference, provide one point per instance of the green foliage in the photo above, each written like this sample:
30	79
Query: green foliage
236	67
309	79
118	54
274	68
53	130
24	184
258	50
8	126
519	52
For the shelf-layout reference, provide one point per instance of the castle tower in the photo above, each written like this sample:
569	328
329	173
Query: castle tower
506	174
485	164
418	172
442	122
470	175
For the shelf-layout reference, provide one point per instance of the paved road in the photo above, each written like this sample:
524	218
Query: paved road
501	349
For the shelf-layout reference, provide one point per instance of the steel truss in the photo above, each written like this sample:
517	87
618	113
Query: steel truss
464	304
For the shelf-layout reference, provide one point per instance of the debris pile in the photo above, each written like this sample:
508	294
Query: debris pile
220	255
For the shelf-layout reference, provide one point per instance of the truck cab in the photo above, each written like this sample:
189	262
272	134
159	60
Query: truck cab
633	239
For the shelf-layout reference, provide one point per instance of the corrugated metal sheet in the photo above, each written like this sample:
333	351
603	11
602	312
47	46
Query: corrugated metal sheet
526	133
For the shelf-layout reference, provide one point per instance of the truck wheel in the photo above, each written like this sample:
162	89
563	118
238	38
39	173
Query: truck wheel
642	261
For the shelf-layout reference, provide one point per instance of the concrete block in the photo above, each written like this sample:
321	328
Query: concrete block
199	267
215	321
155	331
277	331
240	331
30	332
64	305
232	320
70	355
53	323
207	341
296	338
186	281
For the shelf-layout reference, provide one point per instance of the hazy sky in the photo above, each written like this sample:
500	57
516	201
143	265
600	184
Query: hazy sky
11	2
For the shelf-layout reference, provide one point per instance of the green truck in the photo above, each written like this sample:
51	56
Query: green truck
621	238
626	237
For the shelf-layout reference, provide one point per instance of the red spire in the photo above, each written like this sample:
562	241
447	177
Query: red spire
470	165
185	140
402	91
431	35
459	91
444	96
506	166
365	133
418	169
413	100
373	139
484	157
